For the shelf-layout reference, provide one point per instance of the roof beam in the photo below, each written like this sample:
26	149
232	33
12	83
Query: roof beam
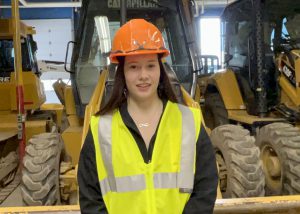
26	4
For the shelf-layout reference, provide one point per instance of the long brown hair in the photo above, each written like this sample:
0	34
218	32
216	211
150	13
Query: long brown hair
118	95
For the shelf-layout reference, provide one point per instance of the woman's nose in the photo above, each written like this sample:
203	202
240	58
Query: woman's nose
143	73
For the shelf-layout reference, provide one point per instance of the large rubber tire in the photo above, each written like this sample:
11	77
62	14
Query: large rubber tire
280	146
215	113
40	173
240	168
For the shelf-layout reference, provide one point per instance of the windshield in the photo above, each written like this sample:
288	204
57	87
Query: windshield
284	21
7	55
291	31
89	61
281	23
292	25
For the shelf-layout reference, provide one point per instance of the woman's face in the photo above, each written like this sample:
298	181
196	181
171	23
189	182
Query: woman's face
142	74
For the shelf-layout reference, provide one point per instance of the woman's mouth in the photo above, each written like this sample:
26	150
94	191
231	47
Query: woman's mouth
143	86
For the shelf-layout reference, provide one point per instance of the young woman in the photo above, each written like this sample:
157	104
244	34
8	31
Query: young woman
145	152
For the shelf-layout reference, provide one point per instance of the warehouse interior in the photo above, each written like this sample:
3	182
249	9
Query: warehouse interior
236	60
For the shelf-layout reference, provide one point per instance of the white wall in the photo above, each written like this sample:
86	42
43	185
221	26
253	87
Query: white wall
52	36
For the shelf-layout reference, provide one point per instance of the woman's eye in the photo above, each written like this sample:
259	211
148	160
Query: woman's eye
132	66
151	66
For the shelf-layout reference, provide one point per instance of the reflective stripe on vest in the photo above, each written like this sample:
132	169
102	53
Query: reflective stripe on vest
184	180
186	174
123	184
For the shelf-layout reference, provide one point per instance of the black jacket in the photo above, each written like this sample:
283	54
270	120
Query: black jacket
205	184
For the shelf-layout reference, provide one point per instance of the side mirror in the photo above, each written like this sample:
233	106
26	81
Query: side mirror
102	26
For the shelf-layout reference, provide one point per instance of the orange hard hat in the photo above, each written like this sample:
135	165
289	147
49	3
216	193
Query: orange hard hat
137	37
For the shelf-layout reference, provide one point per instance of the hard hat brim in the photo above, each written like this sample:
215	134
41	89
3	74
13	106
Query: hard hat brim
113	56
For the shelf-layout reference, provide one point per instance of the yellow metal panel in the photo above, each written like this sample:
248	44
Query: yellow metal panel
6	29
197	97
284	98
8	127
5	100
33	91
188	99
72	140
289	90
52	106
244	117
23	29
34	127
13	96
30	30
34	95
8	122
69	101
74	121
8	117
227	85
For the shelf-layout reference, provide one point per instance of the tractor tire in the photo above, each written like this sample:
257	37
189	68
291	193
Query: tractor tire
40	173
279	144
240	169
215	113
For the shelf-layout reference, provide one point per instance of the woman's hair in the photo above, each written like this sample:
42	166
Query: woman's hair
119	96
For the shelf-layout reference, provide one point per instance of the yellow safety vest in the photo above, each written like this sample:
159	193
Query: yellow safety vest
128	184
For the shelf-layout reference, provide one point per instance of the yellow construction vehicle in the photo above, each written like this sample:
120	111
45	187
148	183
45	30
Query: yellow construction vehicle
258	97
23	113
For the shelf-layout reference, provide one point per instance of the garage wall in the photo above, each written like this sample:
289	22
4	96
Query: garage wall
52	36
